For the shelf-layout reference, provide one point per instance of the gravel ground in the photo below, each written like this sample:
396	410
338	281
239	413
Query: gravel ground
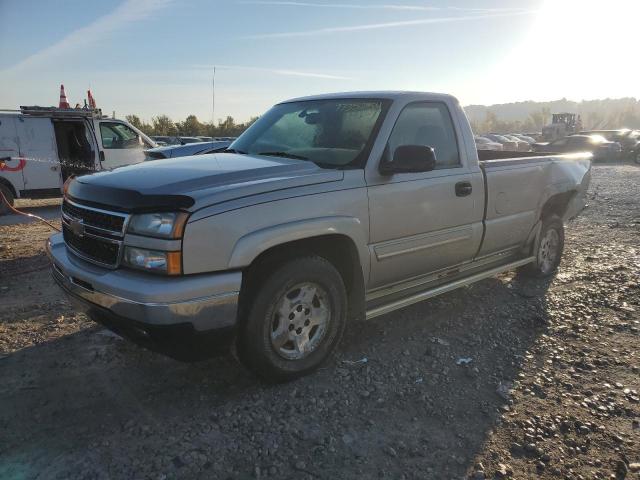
508	378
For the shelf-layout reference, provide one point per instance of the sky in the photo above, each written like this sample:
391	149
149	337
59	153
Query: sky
152	57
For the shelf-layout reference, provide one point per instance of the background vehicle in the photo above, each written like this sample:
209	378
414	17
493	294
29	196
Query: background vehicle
634	154
526	138
171	151
205	139
40	147
507	144
162	140
521	145
600	147
327	208
483	143
562	124
185	140
628	139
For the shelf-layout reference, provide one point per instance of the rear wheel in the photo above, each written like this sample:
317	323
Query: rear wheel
548	252
295	319
8	197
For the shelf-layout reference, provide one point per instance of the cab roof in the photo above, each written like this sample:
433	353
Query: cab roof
383	94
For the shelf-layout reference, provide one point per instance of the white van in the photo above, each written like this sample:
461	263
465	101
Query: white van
40	147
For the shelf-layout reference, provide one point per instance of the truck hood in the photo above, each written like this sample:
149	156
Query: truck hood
194	182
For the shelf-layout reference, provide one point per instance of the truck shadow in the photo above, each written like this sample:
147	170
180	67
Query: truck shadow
48	212
414	393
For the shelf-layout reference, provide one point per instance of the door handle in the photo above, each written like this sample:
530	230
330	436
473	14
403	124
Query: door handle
463	189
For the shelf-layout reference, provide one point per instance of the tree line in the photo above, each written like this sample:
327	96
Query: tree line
518	117
190	127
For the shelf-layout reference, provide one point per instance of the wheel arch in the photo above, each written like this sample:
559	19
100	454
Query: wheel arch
557	204
339	248
9	185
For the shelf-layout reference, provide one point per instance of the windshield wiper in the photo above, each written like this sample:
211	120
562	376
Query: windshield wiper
284	155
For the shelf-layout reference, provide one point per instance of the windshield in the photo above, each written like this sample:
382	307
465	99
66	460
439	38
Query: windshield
332	133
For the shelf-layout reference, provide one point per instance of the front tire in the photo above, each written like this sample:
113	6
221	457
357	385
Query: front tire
548	251
8	195
295	319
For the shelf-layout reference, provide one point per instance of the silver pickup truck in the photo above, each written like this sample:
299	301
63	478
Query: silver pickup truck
329	209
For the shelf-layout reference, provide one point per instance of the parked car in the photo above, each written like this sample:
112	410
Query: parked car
526	138
535	135
628	139
172	151
165	140
328	209
483	143
185	140
43	146
521	145
205	139
510	145
634	154
600	147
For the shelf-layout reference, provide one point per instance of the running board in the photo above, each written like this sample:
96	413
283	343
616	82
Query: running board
419	297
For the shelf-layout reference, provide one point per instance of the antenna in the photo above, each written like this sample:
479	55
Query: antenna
213	98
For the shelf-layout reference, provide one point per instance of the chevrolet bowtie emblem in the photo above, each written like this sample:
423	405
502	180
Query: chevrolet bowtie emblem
77	227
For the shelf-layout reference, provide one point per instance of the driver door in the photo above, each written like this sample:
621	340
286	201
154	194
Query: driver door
120	145
427	221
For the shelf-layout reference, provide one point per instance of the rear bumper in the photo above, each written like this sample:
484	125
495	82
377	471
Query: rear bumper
185	317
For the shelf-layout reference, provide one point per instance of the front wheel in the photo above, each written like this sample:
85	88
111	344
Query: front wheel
548	252
295	319
7	201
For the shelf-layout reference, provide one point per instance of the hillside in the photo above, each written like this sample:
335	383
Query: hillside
531	116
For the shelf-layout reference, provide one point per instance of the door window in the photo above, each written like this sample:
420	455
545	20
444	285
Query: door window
118	136
427	124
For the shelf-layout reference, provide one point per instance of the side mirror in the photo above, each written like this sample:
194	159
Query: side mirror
409	159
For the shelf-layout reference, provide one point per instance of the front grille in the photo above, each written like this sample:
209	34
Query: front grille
92	248
93	234
94	218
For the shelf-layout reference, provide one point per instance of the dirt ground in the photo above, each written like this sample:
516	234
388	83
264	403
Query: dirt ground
508	378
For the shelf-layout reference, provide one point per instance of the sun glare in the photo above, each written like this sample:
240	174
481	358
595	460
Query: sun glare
569	51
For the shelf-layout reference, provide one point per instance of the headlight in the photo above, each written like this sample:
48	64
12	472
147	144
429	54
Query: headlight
161	225
169	263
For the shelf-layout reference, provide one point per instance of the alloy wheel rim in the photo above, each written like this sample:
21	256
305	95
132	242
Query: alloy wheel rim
548	252
300	321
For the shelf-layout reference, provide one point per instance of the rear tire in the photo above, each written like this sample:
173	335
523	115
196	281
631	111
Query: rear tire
8	195
548	250
294	321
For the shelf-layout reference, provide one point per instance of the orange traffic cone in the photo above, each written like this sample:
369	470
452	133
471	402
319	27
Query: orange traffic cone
92	101
63	99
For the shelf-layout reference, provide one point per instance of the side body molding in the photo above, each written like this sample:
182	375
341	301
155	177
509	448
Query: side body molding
248	247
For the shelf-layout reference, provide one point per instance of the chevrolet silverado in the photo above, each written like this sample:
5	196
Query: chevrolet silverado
327	210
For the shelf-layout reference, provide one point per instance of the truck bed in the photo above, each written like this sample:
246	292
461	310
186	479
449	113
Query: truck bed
484	155
517	184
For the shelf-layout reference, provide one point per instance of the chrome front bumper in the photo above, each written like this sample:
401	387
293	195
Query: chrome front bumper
205	301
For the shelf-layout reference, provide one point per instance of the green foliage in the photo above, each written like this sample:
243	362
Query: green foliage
190	127
519	117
